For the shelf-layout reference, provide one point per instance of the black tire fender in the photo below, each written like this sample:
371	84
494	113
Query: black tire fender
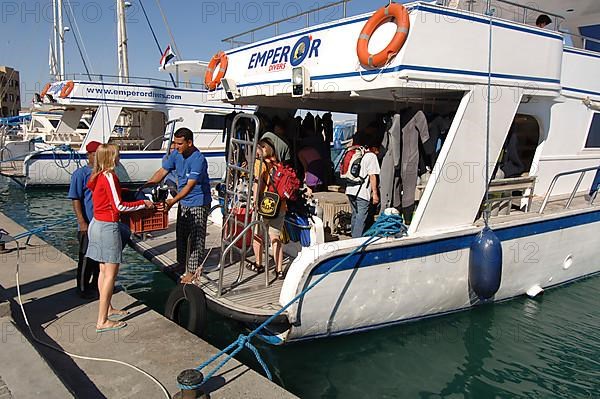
198	312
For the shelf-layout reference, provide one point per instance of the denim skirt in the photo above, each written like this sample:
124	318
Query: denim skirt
105	244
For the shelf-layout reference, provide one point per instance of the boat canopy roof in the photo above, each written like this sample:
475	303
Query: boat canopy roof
187	69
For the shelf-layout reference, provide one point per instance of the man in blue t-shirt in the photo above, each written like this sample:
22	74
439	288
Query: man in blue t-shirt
81	197
191	170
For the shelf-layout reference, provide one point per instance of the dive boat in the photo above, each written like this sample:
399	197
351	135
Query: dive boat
480	231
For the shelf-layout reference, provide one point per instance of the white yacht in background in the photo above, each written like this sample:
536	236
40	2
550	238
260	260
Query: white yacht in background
140	118
494	75
138	114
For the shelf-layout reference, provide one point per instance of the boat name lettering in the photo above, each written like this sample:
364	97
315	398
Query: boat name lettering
133	93
278	58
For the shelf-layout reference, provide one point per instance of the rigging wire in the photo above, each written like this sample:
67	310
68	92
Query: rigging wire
80	36
155	39
486	211
164	17
78	46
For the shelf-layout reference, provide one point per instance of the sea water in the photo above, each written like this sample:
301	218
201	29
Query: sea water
543	347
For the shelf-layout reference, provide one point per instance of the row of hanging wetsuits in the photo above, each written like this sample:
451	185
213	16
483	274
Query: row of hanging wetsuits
410	145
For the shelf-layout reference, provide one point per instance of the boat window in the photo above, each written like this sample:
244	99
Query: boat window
593	138
54	122
592	31
214	122
83	125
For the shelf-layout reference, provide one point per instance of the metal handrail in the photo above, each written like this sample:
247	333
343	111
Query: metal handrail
233	186
526	8
572	195
162	138
232	39
242	235
521	6
585	39
115	79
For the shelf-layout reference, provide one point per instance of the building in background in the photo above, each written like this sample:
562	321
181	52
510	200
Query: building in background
10	92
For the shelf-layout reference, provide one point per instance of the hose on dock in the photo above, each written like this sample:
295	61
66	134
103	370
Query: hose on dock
385	226
7	238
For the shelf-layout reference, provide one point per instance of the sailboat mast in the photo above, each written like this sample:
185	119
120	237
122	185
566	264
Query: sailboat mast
122	43
54	29
61	42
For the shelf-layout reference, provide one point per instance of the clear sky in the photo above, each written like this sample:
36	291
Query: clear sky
198	28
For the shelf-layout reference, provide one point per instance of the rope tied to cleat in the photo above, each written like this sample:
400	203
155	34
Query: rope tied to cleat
385	226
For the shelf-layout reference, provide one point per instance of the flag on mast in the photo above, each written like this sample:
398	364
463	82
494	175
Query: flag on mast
167	56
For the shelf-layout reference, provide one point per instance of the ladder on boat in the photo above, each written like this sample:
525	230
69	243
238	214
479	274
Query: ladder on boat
240	223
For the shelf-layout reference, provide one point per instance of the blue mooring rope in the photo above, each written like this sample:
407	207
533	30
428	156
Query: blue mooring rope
40	229
385	226
74	156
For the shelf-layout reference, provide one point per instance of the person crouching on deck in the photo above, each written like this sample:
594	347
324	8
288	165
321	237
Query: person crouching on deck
104	236
191	169
262	171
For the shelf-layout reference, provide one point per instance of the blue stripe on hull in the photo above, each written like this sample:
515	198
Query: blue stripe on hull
418	318
124	155
397	254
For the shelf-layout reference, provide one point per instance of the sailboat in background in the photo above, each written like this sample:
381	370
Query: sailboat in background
138	114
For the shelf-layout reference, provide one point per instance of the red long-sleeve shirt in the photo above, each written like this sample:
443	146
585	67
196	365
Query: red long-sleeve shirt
106	196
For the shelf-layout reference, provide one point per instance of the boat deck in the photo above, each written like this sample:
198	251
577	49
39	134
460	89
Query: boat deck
554	206
12	169
251	299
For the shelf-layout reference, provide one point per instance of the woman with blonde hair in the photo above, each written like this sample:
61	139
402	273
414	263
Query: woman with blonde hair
105	244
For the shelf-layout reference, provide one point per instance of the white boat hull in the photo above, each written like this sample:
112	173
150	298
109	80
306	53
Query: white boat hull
56	168
402	280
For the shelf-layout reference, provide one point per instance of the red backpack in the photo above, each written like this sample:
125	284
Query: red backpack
285	182
350	166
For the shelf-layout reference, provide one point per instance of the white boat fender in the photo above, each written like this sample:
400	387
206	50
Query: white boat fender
485	264
535	291
197	317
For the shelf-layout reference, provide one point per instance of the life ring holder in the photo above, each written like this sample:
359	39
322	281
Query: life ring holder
221	61
45	90
67	89
392	12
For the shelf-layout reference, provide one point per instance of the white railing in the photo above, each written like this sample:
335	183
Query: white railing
132	80
582	173
236	41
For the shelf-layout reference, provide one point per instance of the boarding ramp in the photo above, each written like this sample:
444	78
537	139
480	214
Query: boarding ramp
240	224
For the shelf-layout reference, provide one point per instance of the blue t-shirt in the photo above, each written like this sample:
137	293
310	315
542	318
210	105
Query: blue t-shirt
194	167
78	191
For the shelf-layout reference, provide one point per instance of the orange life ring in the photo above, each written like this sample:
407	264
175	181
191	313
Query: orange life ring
45	91
218	60
392	12
67	89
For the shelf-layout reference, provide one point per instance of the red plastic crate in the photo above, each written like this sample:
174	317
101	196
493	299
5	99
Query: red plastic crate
147	220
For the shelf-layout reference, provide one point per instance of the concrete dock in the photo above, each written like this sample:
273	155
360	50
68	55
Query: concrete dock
60	318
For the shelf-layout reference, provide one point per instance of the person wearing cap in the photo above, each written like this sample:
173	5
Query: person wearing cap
81	197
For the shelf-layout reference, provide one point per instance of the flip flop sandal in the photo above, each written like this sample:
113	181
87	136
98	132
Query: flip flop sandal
118	326
118	316
252	266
